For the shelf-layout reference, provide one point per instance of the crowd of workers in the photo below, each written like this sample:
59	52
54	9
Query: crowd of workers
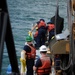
44	63
42	30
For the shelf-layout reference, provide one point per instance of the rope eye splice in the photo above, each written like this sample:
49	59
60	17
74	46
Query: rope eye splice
23	63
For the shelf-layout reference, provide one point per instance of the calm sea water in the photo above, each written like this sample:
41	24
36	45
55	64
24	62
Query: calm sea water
23	13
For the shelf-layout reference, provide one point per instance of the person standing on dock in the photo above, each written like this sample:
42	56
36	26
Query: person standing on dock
44	63
41	32
30	53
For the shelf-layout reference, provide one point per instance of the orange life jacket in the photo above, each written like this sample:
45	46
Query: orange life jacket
32	54
41	24
46	66
51	27
36	33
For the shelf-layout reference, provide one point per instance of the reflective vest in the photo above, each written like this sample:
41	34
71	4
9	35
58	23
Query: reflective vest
46	66
31	54
41	24
36	33
51	27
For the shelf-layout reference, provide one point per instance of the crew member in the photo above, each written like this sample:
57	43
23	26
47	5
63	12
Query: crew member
44	63
30	53
50	30
41	32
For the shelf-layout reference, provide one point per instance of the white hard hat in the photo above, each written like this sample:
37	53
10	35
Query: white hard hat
43	48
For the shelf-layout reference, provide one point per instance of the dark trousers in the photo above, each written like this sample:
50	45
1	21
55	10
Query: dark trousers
29	64
41	37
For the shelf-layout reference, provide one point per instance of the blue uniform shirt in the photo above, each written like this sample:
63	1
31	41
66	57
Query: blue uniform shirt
27	48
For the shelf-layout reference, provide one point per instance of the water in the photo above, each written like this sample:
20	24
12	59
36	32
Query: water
23	13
